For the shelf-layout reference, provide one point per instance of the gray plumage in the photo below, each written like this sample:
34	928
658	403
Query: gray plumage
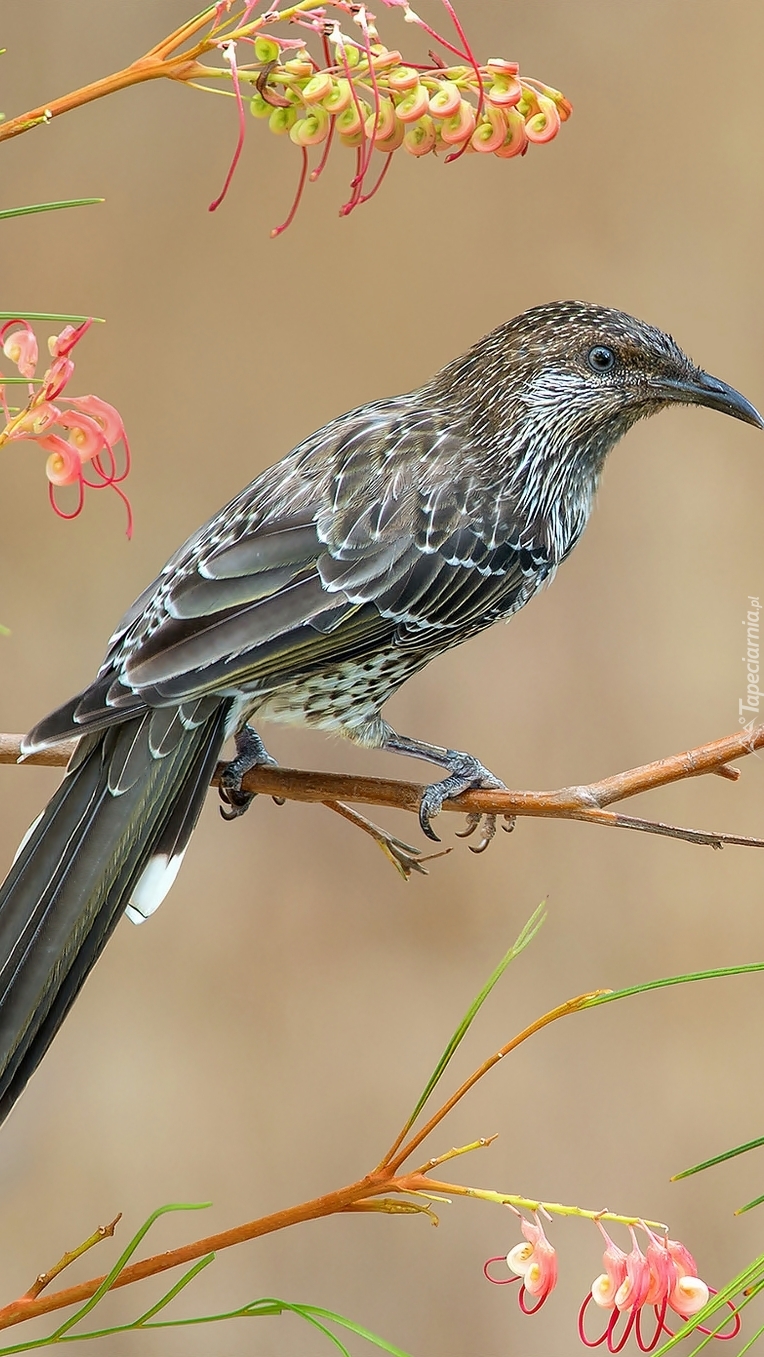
395	532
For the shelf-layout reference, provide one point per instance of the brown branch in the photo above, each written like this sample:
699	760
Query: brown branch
585	803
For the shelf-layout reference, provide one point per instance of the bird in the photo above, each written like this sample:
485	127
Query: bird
393	533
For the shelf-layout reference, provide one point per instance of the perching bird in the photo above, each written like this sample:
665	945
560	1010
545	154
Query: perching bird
390	535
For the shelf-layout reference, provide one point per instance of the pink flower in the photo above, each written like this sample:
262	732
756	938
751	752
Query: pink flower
63	467
93	428
421	138
534	1263
107	418
413	105
446	101
460	126
491	132
544	125
85	435
20	346
516	142
666	1276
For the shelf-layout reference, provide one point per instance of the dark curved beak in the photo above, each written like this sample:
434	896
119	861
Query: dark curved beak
703	389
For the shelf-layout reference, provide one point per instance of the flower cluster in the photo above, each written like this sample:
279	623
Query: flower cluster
79	433
366	96
664	1277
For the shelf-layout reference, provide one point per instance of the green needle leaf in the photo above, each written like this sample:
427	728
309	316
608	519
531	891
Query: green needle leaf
719	1159
356	1329
304	1313
47	207
741	1210
687	979
526	935
45	315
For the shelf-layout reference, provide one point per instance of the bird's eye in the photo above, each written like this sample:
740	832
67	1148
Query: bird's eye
601	358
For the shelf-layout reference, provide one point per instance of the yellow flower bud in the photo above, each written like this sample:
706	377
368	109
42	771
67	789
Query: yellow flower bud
311	129
339	97
317	88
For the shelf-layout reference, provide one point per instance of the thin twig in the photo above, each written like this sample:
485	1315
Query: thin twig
585	803
45	1278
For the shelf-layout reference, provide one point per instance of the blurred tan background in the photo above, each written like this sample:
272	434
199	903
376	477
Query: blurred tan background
261	1039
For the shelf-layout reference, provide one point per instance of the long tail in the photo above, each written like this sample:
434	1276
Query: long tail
113	832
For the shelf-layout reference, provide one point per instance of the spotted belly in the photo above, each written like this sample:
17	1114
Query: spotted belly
345	700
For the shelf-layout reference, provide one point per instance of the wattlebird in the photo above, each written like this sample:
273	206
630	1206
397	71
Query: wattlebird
393	533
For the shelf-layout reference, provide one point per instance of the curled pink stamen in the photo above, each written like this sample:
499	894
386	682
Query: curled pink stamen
660	1315
498	1281
734	1320
530	1309
55	507
590	1342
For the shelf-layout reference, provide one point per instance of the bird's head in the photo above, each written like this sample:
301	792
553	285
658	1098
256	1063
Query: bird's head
580	375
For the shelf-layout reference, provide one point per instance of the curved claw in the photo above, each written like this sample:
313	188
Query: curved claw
473	820
236	802
489	830
424	821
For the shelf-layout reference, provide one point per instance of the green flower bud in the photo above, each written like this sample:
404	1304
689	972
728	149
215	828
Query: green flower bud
339	97
352	55
267	49
282	120
259	107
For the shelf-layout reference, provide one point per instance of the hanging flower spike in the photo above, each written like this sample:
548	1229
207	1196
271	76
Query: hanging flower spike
364	95
93	427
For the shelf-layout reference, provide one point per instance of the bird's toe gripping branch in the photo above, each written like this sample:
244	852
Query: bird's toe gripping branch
250	753
465	773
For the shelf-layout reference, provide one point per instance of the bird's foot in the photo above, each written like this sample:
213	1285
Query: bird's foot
465	773
476	820
250	753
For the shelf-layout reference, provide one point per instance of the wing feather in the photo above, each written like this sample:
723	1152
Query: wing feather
359	541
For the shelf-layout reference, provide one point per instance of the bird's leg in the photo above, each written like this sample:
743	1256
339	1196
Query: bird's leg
464	773
250	753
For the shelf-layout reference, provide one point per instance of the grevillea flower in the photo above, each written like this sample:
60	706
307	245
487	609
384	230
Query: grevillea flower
376	101
663	1278
534	1264
77	432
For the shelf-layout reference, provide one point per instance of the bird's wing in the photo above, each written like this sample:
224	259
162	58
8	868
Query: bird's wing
373	533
